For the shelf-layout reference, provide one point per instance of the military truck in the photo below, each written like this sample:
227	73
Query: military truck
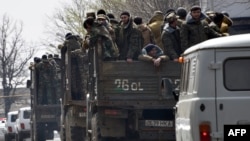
132	101
73	104
45	116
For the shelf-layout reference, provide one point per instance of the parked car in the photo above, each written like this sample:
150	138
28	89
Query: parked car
10	130
2	128
23	123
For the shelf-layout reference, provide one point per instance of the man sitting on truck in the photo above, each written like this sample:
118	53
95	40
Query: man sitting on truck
153	53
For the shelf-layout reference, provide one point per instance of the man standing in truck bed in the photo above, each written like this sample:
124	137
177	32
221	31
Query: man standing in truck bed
46	83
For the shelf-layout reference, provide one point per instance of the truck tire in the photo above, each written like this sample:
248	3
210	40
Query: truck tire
96	133
77	134
40	132
7	138
62	134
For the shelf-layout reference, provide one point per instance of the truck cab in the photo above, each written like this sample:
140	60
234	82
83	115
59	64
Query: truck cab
214	89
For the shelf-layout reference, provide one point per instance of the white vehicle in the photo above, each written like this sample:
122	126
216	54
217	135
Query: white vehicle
10	130
214	89
23	123
2	128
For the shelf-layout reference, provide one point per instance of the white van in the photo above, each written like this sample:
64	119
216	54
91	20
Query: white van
23	123
10	130
215	88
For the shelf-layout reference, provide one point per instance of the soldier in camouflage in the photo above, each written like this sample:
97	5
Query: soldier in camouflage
46	82
171	37
195	29
81	57
98	32
130	40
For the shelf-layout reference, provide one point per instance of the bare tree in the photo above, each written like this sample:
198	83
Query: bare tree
142	8
68	19
14	56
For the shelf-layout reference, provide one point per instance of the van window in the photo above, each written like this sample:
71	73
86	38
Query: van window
185	76
236	74
13	118
26	114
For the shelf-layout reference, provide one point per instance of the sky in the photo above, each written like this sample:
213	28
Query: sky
33	14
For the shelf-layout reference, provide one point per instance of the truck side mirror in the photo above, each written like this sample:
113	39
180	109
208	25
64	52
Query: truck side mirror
28	84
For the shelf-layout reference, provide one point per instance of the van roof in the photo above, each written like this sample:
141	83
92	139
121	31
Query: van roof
233	41
25	108
12	112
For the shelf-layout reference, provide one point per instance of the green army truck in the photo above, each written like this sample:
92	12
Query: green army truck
73	104
45	116
131	101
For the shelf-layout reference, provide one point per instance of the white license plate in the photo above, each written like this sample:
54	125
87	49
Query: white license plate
159	123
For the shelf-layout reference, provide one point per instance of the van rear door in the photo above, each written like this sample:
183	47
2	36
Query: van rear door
233	88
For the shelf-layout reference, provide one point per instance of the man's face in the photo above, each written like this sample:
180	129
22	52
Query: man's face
152	52
101	21
124	19
196	14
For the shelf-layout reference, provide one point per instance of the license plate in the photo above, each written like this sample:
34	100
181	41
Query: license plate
159	123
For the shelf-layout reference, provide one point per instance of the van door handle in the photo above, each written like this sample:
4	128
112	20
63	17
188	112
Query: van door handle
221	106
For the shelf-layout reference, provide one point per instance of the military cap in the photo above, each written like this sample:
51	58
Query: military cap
171	17
101	16
195	7
91	14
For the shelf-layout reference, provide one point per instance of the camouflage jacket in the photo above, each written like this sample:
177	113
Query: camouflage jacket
194	32
46	73
100	33
129	41
171	41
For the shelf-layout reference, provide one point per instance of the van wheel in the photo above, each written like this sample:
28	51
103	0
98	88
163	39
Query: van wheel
77	133
40	132
96	132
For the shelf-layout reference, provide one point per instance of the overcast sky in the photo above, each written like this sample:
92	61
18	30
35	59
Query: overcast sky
31	12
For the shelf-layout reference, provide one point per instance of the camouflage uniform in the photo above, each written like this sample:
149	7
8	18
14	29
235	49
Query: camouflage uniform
193	32
101	33
171	42
129	41
46	82
81	58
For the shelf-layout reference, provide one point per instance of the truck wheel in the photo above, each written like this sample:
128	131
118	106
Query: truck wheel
40	132
77	134
96	133
7	138
62	134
